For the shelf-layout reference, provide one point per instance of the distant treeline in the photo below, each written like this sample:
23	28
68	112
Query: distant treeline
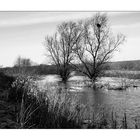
125	65
51	69
30	70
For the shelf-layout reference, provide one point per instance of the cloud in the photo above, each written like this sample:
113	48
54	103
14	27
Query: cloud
30	18
125	18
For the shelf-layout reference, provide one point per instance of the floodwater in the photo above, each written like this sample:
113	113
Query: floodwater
119	101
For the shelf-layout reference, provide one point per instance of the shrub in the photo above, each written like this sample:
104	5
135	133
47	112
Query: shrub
5	81
22	86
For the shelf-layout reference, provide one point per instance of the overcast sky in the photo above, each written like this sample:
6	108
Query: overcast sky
23	33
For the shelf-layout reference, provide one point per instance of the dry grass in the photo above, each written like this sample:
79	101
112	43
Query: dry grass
54	107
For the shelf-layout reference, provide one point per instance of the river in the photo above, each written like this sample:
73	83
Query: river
119	101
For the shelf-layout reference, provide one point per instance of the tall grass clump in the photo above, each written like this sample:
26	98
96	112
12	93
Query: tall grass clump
44	108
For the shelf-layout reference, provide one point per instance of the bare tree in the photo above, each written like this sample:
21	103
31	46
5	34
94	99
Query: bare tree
61	46
26	62
18	62
97	46
22	62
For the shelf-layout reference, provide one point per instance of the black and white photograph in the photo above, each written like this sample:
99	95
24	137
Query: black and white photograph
69	69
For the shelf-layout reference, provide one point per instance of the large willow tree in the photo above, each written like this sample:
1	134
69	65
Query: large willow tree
60	47
96	46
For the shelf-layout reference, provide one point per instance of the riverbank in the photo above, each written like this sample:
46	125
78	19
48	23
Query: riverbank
27	105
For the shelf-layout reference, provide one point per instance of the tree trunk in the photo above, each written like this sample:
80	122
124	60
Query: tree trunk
93	80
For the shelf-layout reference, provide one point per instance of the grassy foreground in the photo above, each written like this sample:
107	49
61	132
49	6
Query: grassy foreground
24	105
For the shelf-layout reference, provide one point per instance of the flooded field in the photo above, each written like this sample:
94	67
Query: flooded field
119	101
